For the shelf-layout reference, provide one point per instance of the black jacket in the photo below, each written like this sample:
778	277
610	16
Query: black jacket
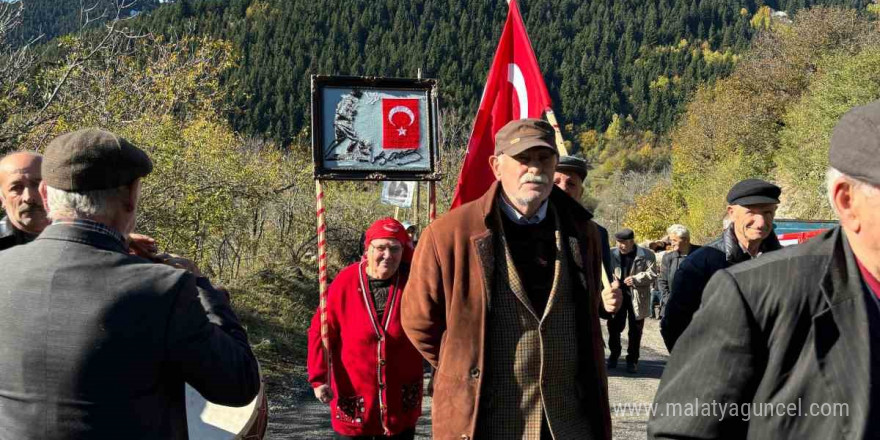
97	344
788	329
9	236
668	267
693	275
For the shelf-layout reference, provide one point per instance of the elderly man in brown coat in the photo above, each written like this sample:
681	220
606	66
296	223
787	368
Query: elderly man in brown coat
504	298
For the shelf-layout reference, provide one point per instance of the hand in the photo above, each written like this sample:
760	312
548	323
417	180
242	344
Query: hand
628	281
612	297
179	262
323	393
142	246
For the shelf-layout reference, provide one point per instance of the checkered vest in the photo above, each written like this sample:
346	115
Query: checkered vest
531	359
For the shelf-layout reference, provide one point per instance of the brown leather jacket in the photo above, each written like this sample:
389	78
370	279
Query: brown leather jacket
447	299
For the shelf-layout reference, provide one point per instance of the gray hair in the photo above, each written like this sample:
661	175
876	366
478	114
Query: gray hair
88	204
726	221
678	230
831	176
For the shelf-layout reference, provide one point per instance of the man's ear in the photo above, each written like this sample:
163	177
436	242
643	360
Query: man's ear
842	193
131	201
495	164
44	194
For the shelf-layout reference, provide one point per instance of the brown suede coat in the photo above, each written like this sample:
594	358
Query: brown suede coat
447	299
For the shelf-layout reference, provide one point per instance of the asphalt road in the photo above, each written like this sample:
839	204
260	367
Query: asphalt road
295	414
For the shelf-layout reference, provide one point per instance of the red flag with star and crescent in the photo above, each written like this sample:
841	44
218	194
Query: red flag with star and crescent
400	123
515	89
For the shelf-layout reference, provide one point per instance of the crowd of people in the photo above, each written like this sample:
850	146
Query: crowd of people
502	298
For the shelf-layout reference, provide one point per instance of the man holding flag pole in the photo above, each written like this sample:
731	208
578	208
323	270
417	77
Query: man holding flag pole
505	294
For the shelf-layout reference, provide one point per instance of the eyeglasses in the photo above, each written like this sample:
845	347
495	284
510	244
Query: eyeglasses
392	249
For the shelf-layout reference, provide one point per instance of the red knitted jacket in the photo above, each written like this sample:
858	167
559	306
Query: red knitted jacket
376	372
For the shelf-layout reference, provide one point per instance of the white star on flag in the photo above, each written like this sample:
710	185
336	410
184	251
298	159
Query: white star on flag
401	131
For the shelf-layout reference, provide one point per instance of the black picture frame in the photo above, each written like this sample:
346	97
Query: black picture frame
326	166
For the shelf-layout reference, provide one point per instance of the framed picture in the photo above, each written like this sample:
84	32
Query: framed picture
398	193
366	128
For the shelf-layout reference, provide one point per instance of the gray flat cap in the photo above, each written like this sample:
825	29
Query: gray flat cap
855	144
93	159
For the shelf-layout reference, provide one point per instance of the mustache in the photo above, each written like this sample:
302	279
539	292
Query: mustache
31	208
534	178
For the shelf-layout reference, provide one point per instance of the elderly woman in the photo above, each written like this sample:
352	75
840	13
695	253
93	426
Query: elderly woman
373	382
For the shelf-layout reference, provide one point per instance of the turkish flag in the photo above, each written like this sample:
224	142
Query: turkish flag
514	89
400	123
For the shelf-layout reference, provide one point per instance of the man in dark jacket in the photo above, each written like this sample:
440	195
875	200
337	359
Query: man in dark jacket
680	239
788	346
97	343
634	266
751	208
19	194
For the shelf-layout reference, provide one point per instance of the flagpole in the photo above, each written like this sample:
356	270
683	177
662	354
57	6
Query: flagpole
560	144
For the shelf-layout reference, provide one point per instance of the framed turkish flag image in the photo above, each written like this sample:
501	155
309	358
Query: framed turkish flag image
366	128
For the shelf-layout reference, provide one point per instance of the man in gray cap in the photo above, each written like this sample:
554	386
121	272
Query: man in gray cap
98	343
19	194
751	208
503	298
797	331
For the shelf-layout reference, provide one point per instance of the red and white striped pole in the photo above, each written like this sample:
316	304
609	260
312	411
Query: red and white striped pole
322	271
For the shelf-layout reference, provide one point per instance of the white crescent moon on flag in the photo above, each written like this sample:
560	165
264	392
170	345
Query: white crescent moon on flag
515	76
404	110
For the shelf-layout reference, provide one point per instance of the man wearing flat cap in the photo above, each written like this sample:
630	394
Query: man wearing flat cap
504	298
571	171
797	329
97	343
25	219
751	208
633	265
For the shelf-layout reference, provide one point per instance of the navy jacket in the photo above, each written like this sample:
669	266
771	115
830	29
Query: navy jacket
693	275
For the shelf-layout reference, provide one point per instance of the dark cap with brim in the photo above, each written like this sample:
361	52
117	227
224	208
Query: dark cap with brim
91	160
523	134
855	144
572	164
625	234
753	192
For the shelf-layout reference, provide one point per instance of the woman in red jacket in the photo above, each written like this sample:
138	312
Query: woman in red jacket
373	383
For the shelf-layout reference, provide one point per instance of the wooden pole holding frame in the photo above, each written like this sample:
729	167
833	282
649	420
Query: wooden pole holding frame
322	272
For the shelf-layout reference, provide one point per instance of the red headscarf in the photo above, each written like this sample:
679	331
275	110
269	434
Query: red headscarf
389	228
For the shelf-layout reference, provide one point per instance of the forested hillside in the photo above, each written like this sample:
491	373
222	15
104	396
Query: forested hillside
215	78
600	57
48	19
771	118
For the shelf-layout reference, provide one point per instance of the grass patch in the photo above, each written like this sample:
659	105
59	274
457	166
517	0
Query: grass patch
276	306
